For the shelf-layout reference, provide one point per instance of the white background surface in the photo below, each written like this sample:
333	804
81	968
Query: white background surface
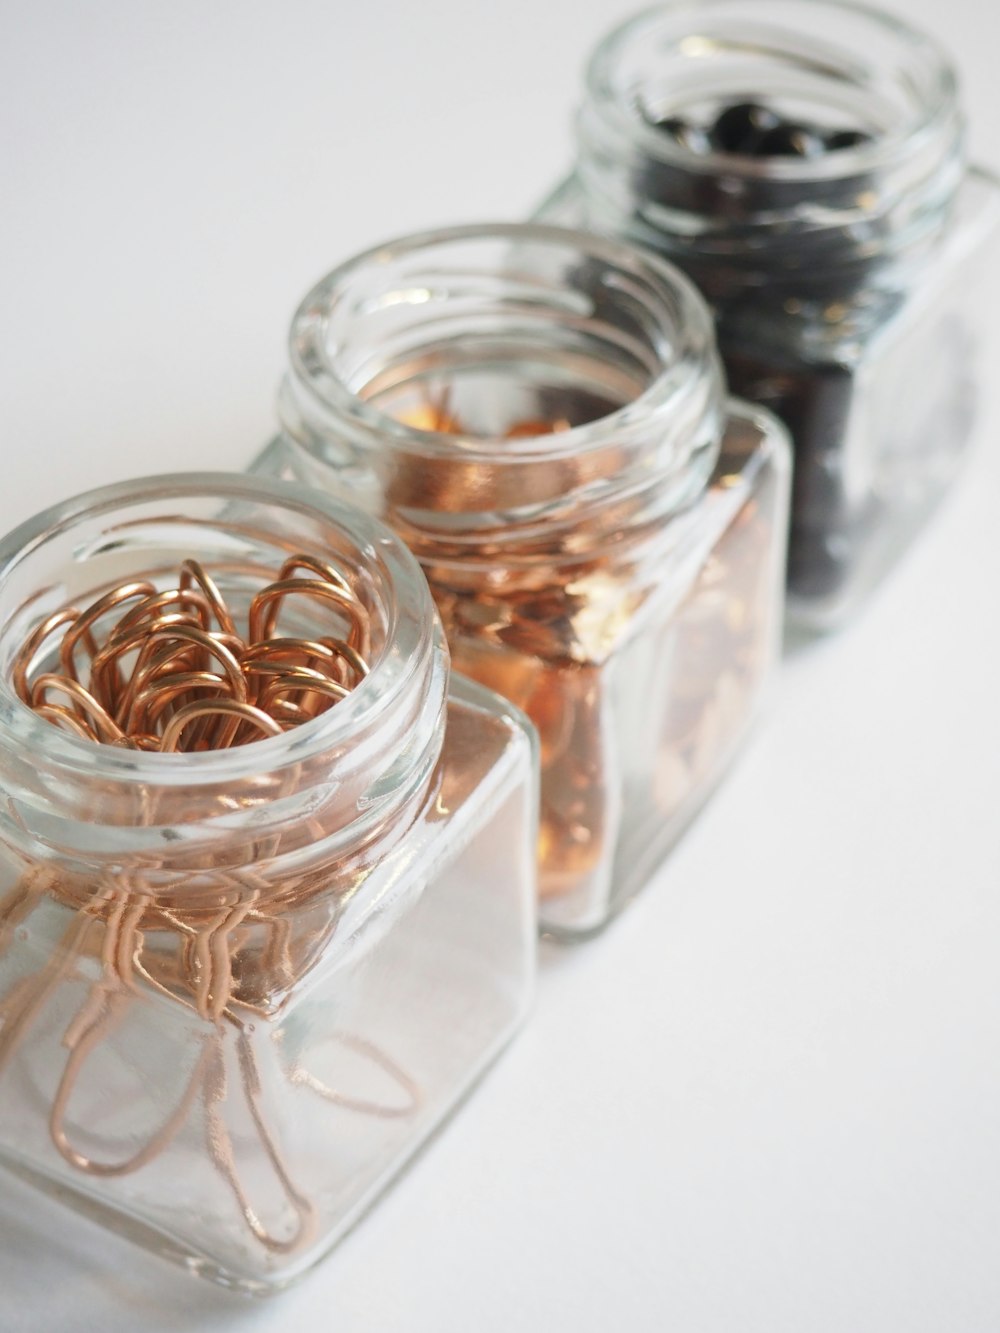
768	1098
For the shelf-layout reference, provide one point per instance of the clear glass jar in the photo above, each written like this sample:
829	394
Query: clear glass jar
843	267
229	980
541	415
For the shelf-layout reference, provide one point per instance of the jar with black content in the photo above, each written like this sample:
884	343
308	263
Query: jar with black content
803	162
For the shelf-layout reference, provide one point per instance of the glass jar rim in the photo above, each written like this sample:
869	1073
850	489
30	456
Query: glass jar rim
408	639
937	111
691	323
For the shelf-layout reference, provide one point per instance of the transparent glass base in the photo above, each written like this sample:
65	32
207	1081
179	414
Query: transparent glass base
286	1125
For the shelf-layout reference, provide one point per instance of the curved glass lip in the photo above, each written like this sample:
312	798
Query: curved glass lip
883	151
409	638
692	334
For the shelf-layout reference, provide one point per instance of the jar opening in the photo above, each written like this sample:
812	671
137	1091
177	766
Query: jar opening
498	358
501	372
782	213
237	527
836	66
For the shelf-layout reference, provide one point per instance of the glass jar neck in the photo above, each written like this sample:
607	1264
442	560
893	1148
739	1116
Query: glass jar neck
776	227
522	391
324	791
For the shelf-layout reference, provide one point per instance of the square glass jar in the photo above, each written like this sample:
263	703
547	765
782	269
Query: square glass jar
239	988
803	162
541	415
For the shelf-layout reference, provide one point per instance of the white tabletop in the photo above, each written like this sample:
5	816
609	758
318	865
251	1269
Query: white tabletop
766	1100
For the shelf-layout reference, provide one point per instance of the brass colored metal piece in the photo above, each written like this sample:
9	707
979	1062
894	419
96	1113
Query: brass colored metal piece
82	627
214	708
87	708
29	649
192	572
266	607
173	671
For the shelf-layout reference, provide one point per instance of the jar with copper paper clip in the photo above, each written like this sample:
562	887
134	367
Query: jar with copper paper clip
804	162
257	851
541	415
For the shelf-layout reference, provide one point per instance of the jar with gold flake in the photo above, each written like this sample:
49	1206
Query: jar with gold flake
541	415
